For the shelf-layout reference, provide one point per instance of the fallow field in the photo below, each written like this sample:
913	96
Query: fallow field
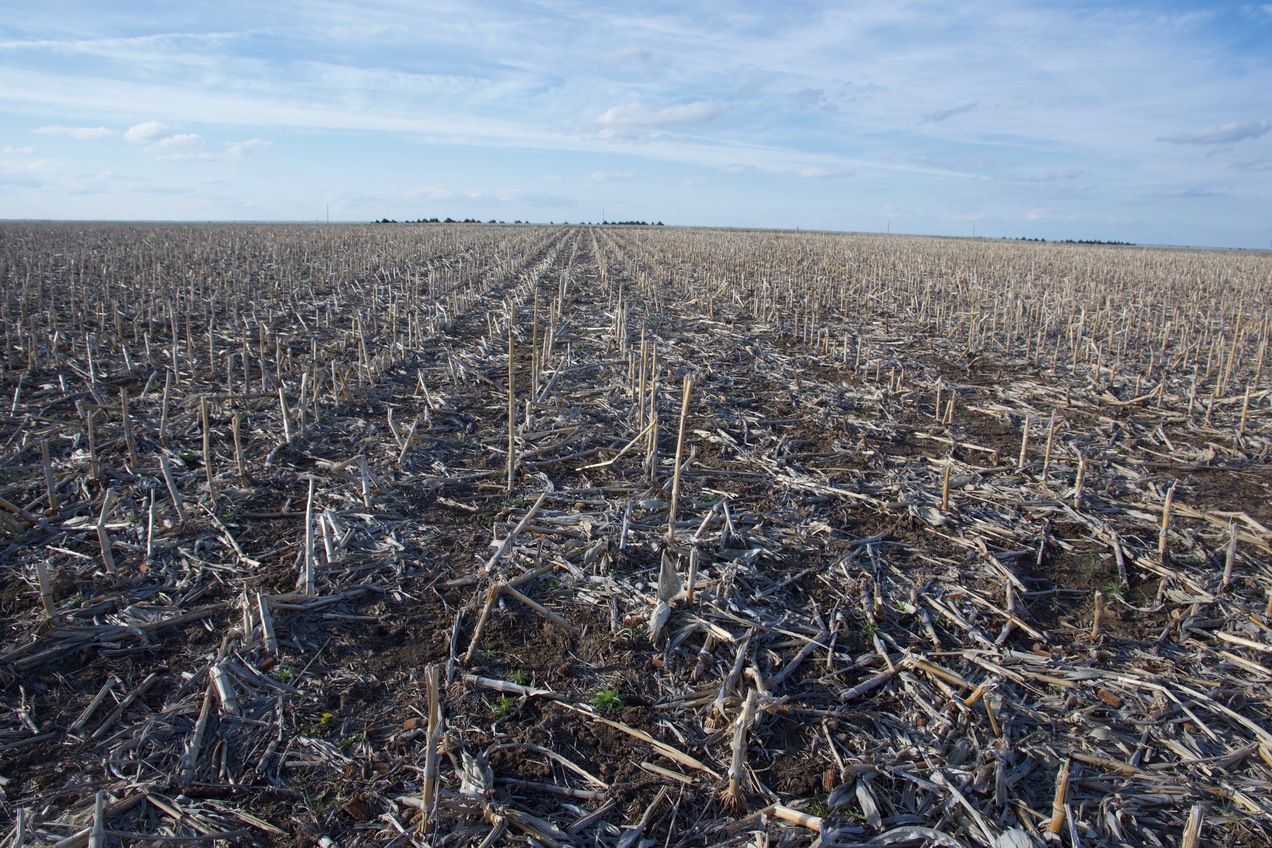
506	535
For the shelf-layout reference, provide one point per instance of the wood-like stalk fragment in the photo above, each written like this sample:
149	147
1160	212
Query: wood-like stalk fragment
118	712
224	689
1024	445
88	711
1192	828
406	443
94	472
1060	798
173	492
945	486
268	638
282	406
128	428
46	589
680	444
1077	485
558	620
508	540
1165	529
103	538
97	833
207	447
1097	618
195	745
236	424
428	794
163	415
49	484
733	796
307	582
1046	455
512	401
1230	558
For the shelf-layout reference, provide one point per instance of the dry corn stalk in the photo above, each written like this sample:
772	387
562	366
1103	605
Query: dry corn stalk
733	796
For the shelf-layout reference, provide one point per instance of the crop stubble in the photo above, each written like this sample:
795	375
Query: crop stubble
256	496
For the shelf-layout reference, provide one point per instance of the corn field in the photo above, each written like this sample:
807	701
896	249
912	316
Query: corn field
460	535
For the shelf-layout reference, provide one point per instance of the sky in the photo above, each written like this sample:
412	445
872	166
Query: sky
1147	122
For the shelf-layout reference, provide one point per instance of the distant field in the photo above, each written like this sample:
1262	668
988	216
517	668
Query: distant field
436	534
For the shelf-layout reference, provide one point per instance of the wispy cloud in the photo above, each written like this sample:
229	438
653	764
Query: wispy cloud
233	151
1059	175
625	57
1178	193
1223	134
611	176
812	173
946	114
77	132
635	119
1254	165
21	151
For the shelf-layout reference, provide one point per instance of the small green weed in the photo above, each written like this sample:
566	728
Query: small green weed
607	699
503	707
818	807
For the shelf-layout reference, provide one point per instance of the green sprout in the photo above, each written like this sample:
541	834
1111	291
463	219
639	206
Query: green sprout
607	699
503	707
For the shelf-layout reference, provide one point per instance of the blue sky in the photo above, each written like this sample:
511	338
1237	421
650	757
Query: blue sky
1139	121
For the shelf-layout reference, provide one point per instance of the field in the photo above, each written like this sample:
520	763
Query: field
507	535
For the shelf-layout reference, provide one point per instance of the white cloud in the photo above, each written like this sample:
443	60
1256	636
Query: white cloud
814	173
635	118
180	140
23	151
77	132
159	137
148	132
1224	134
243	149
235	151
609	176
